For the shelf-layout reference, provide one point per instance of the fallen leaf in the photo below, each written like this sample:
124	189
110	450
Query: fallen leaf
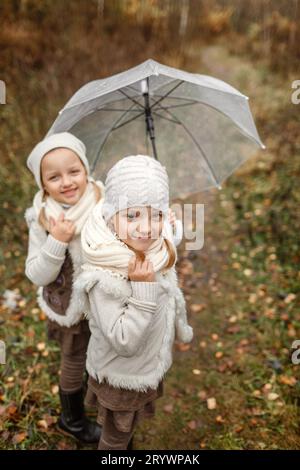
5	436
192	425
289	298
291	331
273	396
233	319
182	347
168	408
291	381
35	311
211	403
196	308
42	316
17	438
63	445
238	429
252	298
11	298
233	329
202	394
257	411
267	387
219	354
55	389
220	419
50	419
186	268
248	272
240	351
11	409
42	423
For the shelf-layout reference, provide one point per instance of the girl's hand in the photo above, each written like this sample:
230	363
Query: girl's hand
172	218
140	270
61	229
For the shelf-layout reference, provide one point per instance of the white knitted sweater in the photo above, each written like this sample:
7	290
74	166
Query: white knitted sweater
133	326
43	263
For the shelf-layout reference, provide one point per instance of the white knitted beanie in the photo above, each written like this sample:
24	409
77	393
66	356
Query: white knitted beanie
61	139
137	180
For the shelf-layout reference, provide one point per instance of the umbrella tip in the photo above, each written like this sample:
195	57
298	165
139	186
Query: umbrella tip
263	146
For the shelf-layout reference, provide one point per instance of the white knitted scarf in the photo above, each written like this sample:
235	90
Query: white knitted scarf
101	248
78	213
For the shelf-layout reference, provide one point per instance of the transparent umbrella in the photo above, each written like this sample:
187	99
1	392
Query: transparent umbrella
199	127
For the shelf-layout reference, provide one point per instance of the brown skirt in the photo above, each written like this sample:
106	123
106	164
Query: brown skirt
128	406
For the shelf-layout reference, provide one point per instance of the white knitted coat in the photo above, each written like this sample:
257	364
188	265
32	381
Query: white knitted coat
43	264
133	326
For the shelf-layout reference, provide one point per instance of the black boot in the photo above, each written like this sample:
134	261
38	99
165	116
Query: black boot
73	420
130	444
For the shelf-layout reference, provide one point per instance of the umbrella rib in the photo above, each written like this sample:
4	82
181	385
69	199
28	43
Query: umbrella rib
180	105
197	145
164	117
138	110
131	99
187	101
107	135
117	109
131	88
126	122
241	129
167	94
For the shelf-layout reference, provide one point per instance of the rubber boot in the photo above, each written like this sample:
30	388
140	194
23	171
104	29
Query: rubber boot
73	419
130	444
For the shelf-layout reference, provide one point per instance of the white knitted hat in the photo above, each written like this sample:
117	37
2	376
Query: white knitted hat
61	139
137	180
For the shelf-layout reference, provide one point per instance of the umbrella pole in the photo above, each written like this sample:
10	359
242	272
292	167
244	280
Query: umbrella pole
148	117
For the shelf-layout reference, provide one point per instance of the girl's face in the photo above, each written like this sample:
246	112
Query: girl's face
138	227
63	176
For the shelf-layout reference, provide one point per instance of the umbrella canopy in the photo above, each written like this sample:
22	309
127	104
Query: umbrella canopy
199	127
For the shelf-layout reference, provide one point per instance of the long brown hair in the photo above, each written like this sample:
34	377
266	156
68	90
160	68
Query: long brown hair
42	219
171	252
172	255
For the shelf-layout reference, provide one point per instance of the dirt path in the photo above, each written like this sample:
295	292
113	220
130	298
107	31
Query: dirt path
216	394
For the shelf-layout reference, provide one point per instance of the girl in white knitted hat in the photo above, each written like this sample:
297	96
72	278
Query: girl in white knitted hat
60	208
133	302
